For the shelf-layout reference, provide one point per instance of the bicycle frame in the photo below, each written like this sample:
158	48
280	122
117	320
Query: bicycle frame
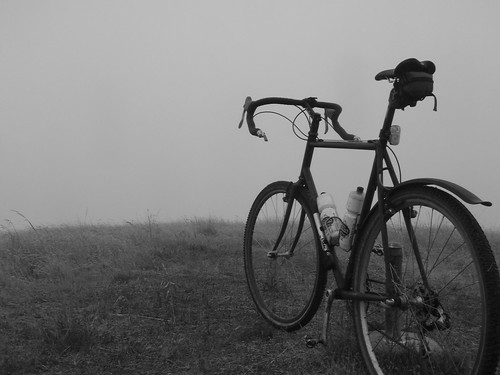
381	164
375	185
407	203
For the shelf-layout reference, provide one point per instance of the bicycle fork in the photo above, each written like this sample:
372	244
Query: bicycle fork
289	199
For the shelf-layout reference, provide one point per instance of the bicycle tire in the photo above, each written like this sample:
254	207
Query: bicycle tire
454	327
286	290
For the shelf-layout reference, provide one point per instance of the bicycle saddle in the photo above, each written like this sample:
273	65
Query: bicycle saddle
408	65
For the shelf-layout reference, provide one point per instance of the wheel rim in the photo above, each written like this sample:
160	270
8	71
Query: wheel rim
283	286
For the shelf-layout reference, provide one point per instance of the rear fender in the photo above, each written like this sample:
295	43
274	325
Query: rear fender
451	187
459	191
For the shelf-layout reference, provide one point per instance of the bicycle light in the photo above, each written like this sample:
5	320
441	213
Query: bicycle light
395	135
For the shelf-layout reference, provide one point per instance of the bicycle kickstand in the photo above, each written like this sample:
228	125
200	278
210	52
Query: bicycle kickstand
310	342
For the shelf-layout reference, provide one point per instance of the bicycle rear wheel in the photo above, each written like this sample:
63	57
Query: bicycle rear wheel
285	274
440	264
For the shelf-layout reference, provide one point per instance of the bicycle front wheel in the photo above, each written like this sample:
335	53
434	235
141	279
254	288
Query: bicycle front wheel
442	276
283	257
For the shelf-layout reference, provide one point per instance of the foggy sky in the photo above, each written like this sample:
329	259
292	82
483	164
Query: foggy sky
111	111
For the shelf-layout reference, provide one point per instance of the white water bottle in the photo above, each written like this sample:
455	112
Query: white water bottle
329	218
354	205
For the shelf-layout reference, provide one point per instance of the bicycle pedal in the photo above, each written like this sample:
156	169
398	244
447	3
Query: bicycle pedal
310	342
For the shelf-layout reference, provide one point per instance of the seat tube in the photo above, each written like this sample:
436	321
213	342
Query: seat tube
380	191
380	150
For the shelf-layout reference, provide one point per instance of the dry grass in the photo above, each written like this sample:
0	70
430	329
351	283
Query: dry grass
145	298
148	298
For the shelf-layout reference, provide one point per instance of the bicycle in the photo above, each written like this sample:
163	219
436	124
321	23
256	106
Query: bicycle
421	278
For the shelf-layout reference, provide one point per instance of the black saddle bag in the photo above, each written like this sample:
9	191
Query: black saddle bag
416	85
414	82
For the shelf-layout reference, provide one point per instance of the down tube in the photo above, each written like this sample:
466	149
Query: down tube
309	181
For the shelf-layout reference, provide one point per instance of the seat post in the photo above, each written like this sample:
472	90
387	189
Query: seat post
385	132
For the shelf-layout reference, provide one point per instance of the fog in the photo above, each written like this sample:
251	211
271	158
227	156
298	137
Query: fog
115	111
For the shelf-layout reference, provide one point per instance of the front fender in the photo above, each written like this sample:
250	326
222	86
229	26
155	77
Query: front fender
453	188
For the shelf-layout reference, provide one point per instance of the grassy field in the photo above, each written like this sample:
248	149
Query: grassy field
147	298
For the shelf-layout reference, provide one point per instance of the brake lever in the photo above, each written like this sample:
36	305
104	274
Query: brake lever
329	113
326	122
248	100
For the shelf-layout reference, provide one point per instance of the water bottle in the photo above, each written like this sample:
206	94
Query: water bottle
354	205
329	218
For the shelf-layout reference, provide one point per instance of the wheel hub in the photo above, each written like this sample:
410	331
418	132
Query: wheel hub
430	314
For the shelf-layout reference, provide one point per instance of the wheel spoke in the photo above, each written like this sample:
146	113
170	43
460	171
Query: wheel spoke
441	329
